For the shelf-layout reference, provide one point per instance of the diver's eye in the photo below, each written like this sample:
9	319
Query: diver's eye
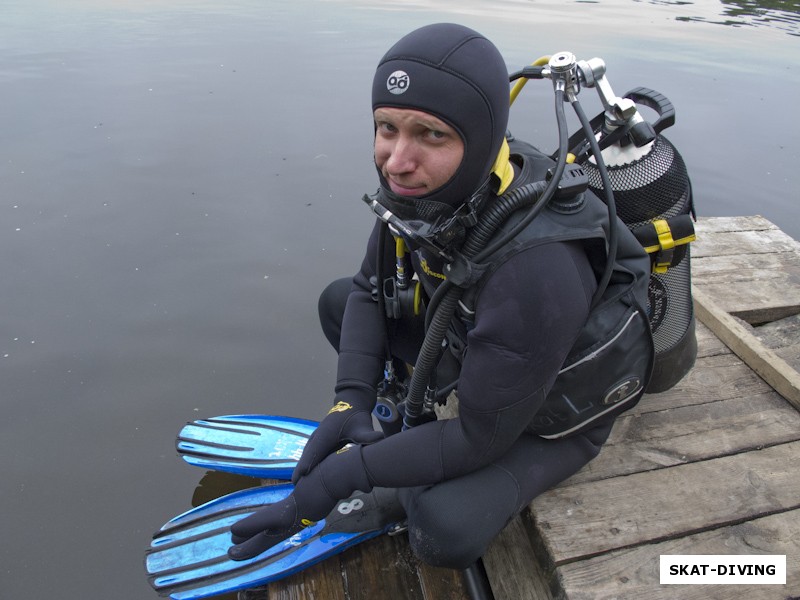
385	127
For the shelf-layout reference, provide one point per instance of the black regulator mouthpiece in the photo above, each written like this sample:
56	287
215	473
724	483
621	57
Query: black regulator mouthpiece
434	226
434	237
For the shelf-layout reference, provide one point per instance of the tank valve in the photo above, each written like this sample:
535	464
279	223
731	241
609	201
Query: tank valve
562	70
619	111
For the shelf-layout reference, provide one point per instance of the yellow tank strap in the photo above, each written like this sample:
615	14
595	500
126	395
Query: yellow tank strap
658	238
685	240
664	234
666	242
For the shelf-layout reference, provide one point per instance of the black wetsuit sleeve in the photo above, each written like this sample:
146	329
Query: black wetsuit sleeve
362	347
527	318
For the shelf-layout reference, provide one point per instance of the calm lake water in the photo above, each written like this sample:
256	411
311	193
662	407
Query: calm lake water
180	178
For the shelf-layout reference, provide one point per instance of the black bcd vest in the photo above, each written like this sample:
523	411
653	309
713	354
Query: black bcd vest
610	363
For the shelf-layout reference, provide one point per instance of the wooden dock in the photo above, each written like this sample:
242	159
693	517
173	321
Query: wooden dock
709	467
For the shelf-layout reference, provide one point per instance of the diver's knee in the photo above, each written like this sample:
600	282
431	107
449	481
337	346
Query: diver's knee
330	306
445	545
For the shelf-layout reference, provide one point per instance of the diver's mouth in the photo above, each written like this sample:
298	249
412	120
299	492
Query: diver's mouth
405	190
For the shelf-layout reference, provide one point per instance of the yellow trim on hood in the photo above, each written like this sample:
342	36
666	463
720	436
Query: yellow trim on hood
502	168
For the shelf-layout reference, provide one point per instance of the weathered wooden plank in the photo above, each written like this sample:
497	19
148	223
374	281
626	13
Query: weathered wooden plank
731	243
436	583
585	519
780	334
319	581
745	267
384	565
752	273
706	225
634	573
762	264
783	378
712	379
756	302
756	288
380	568
707	343
791	355
783	337
743	243
691	433
512	567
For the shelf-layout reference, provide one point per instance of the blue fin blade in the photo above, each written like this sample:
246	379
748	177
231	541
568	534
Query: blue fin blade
254	445
188	559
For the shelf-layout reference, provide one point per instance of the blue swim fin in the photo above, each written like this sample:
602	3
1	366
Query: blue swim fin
188	558
254	445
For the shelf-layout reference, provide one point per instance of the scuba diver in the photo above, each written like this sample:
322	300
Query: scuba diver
459	284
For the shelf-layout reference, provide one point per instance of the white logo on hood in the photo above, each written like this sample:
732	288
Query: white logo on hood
398	82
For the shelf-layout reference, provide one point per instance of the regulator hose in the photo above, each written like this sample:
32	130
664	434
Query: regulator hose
382	237
429	356
611	256
491	219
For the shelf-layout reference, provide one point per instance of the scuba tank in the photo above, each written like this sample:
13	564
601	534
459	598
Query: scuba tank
653	198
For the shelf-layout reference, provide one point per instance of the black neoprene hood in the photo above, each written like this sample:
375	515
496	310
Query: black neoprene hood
457	75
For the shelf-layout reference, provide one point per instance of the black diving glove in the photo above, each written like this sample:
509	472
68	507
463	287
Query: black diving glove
345	423
314	496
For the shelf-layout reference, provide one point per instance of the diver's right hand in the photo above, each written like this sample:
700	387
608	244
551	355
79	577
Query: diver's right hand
312	499
344	424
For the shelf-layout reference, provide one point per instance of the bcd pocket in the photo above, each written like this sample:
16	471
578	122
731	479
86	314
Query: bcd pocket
605	374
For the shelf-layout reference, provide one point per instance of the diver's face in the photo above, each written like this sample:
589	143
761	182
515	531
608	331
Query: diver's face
416	152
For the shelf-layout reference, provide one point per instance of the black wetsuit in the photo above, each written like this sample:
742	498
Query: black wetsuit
463	479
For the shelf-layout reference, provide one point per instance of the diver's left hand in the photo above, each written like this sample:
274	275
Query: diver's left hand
314	496
347	422
276	522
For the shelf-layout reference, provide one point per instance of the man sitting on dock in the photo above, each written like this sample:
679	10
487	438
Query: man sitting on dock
440	102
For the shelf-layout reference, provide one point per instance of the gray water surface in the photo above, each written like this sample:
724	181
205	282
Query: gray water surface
179	179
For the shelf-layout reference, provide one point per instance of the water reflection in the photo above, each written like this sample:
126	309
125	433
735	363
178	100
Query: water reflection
775	14
783	15
215	484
